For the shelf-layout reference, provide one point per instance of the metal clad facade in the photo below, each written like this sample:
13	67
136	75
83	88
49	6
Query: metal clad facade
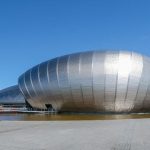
86	78
103	81
74	78
111	71
99	80
124	69
11	95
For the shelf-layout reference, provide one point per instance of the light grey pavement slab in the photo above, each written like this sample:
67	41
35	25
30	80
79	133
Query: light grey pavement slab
76	135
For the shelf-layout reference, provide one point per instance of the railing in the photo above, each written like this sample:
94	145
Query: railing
12	109
24	110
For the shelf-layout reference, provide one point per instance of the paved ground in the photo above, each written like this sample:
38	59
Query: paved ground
76	135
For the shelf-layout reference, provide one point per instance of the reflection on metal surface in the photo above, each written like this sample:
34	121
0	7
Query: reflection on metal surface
95	81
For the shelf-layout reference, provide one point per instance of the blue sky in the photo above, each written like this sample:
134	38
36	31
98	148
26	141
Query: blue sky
32	31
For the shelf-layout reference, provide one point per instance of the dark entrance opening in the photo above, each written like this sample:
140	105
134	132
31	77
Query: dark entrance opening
49	107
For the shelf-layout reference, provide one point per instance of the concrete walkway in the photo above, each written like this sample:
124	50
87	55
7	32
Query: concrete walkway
76	135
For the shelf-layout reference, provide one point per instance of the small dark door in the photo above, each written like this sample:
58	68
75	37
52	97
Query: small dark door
49	106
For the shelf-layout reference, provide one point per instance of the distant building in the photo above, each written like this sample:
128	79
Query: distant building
12	97
95	81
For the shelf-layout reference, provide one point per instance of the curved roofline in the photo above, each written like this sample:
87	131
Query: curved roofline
86	51
9	88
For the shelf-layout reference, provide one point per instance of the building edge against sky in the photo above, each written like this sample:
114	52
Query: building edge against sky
92	81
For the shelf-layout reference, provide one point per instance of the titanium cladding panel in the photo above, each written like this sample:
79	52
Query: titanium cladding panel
11	95
95	81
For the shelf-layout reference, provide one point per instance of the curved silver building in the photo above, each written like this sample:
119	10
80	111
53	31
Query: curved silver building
95	81
12	96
